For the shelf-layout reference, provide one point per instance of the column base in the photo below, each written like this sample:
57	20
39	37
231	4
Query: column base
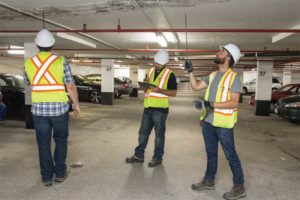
262	108
28	117
107	98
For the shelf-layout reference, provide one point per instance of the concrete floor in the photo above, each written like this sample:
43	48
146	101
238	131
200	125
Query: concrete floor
103	136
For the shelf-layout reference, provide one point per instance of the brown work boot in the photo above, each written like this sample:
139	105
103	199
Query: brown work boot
154	163
134	159
235	193
203	185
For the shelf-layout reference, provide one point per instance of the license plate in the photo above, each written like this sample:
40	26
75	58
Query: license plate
276	110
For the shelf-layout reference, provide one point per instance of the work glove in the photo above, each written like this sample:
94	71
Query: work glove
188	66
203	104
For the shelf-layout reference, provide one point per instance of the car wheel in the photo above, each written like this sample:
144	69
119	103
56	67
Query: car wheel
245	91
95	97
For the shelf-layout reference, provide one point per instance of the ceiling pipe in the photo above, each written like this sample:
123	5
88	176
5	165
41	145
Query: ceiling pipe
155	30
155	50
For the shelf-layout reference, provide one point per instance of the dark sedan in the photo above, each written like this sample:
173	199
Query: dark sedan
13	93
87	90
289	108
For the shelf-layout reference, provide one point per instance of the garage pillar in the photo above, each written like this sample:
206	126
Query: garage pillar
107	81
287	77
263	88
30	50
134	78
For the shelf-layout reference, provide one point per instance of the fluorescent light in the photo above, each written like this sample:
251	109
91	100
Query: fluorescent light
15	47
76	39
162	41
16	52
170	37
176	58
281	36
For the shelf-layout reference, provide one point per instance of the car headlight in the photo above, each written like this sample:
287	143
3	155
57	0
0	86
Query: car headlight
293	105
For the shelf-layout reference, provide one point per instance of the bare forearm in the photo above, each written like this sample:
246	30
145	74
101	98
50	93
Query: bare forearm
72	90
196	85
226	105
171	93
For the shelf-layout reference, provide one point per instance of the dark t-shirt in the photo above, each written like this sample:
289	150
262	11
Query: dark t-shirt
172	85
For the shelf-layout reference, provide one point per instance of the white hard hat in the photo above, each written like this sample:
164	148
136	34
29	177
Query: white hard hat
234	51
161	57
44	38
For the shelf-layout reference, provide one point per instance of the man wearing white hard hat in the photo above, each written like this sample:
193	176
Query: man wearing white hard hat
218	117
49	75
156	109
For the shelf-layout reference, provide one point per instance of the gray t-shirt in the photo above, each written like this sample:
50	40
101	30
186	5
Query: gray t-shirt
236	87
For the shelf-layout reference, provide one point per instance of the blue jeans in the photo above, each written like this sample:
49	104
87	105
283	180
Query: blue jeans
152	118
43	129
212	135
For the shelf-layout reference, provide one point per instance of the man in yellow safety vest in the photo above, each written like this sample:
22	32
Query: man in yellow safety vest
48	75
156	108
219	114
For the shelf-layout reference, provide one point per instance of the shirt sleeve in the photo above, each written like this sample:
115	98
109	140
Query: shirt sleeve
68	78
172	84
25	78
236	86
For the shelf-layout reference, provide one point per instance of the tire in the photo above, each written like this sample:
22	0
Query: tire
95	97
245	91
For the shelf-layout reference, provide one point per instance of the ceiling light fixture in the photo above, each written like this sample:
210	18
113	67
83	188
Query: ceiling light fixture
16	52
161	41
281	36
170	37
76	39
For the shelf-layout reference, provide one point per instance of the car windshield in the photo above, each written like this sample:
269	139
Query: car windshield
16	80
83	79
285	88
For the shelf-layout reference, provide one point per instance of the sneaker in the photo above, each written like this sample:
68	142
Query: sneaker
235	193
47	183
134	159
154	163
60	179
203	185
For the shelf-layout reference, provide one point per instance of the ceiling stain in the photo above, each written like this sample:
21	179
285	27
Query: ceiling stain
101	7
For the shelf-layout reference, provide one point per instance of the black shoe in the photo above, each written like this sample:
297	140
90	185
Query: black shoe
60	179
203	185
154	163
47	183
235	193
134	159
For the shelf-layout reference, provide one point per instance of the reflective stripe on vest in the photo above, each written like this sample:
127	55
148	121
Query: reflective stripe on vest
43	72
154	99
225	118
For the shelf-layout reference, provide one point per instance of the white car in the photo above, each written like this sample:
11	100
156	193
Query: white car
250	87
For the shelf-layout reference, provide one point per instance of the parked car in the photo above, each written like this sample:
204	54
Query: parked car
13	94
87	90
287	90
289	108
121	87
250	87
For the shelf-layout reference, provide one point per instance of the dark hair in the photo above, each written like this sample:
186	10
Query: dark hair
45	48
231	62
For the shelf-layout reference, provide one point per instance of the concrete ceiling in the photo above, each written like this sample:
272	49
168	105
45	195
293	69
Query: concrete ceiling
151	14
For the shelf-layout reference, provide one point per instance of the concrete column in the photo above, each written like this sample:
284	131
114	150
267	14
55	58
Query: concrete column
263	88
30	50
287	77
107	81
134	77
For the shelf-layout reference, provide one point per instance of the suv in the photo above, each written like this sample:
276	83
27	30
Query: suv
250	87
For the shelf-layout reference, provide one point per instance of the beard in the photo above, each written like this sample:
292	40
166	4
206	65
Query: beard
219	60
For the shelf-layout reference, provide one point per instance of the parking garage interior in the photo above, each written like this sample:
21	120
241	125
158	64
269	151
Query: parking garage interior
113	43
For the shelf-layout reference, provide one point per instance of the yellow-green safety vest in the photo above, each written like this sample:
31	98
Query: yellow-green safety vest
225	118
154	99
46	74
